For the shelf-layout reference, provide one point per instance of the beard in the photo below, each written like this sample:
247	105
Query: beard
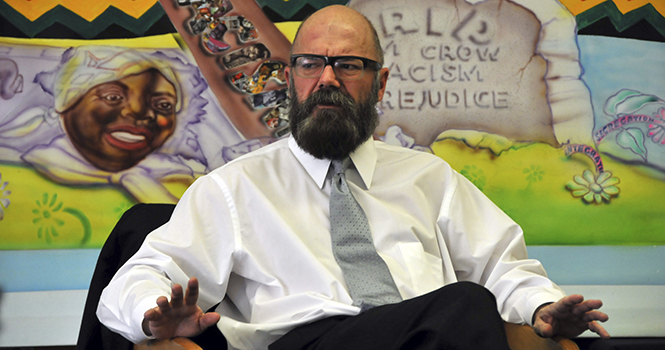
333	133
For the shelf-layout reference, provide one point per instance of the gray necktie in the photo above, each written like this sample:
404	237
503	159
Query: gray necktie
366	274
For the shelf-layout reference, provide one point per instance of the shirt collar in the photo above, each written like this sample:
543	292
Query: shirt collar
364	160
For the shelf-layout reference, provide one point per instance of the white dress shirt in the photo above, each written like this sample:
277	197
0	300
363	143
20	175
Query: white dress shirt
256	231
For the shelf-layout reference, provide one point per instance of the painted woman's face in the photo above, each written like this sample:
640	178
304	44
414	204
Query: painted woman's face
117	124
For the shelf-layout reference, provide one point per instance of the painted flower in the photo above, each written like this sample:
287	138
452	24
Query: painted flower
594	188
4	201
47	212
475	175
534	173
657	130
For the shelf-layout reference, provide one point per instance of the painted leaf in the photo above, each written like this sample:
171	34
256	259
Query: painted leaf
634	103
627	101
614	100
633	139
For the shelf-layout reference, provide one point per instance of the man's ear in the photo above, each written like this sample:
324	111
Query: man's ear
287	73
383	80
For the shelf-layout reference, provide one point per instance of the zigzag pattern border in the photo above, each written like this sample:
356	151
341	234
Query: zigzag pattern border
288	9
86	29
621	21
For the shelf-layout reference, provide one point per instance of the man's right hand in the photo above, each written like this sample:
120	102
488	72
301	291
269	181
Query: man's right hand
180	317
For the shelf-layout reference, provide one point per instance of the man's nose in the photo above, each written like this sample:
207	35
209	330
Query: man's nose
328	77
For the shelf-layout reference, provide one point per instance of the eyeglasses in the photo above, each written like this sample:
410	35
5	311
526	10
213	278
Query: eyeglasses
345	67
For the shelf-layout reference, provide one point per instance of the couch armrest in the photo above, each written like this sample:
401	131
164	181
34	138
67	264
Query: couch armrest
523	337
179	343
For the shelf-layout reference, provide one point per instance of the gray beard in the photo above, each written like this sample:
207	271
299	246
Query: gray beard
333	133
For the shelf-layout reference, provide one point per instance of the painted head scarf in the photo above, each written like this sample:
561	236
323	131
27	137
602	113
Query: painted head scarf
85	68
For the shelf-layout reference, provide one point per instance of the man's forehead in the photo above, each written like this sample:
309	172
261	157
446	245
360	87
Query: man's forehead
333	37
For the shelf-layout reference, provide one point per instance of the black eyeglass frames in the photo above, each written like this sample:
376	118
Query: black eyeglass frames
345	67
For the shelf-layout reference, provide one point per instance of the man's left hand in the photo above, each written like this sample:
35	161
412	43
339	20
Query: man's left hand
570	317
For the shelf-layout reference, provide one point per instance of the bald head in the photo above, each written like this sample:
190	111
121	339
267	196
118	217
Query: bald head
335	23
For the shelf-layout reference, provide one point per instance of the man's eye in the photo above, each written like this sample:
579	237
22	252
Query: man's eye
349	66
310	65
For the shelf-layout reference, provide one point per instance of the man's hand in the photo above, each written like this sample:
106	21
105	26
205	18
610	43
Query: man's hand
570	317
180	317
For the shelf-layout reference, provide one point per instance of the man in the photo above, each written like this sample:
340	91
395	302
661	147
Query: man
258	233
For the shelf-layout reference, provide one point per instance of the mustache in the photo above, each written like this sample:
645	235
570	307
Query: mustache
329	97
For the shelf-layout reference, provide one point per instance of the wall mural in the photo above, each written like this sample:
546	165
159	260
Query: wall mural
564	131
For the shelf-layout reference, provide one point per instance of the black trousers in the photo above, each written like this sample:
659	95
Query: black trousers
458	316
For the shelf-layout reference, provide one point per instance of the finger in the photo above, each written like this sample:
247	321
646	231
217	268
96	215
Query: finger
163	304
192	294
208	320
589	304
152	314
567	303
176	296
598	329
572	299
544	330
586	308
595	303
595	316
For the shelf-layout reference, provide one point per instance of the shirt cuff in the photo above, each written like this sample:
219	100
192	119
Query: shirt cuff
137	318
533	318
536	301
